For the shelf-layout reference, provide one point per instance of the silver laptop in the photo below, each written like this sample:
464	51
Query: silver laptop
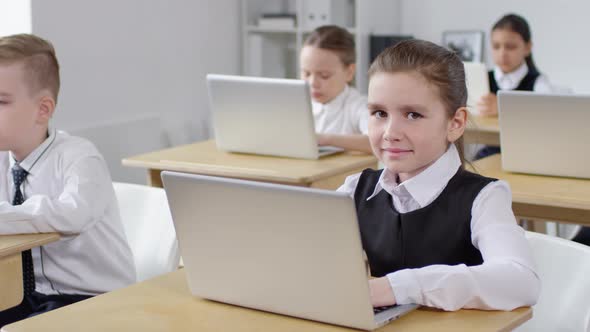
544	134
284	249
267	116
478	83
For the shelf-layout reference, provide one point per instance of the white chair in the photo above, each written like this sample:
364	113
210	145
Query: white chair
564	267
149	229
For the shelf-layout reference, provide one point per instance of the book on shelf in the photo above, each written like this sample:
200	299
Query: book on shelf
277	21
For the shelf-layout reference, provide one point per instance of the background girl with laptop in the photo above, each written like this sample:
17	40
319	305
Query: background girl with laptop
328	64
434	234
514	67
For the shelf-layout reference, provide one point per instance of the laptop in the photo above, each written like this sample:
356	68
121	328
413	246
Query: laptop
544	134
267	116
478	84
283	249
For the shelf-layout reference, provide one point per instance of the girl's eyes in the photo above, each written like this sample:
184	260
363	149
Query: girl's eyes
410	115
306	74
413	115
380	114
506	46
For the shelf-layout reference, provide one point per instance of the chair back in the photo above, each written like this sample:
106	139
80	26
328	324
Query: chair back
149	229
564	267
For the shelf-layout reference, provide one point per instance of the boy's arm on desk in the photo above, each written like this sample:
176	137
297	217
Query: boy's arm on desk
87	191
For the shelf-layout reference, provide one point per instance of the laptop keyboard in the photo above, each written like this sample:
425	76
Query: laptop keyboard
328	148
377	310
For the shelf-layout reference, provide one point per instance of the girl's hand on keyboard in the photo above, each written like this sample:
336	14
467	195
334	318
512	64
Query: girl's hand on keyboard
381	292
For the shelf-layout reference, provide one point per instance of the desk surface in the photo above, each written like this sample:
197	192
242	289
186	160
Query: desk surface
484	123
11	274
542	197
12	244
482	130
204	158
164	304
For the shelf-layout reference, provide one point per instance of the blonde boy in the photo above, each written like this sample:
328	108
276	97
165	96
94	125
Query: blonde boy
53	182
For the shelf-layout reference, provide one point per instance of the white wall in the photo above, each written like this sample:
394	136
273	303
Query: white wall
374	17
15	17
127	59
559	30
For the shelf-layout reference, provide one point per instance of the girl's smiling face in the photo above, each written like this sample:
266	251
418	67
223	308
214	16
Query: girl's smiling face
409	126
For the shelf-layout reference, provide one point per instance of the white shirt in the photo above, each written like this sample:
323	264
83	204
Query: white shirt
510	81
507	277
68	190
346	114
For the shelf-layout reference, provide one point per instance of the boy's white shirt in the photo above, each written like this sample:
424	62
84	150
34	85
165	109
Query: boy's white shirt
68	190
510	81
507	279
346	114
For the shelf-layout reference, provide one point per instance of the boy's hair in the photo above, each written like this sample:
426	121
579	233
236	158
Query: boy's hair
336	39
41	69
519	25
442	68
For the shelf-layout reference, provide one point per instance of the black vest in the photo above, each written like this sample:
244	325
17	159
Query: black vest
526	84
439	233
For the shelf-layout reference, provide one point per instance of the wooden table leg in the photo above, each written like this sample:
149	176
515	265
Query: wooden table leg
11	279
154	179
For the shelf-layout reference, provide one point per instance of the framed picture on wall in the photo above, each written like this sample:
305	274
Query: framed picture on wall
468	44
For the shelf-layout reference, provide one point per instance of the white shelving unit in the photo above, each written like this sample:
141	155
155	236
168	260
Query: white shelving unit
274	52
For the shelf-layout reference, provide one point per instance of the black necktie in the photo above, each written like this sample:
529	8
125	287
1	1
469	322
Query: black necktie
18	176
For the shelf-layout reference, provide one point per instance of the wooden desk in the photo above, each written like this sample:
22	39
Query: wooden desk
204	158
165	304
542	197
482	130
11	274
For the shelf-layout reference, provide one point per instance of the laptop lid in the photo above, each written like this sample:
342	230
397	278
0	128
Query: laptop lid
478	84
284	249
266	116
544	134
